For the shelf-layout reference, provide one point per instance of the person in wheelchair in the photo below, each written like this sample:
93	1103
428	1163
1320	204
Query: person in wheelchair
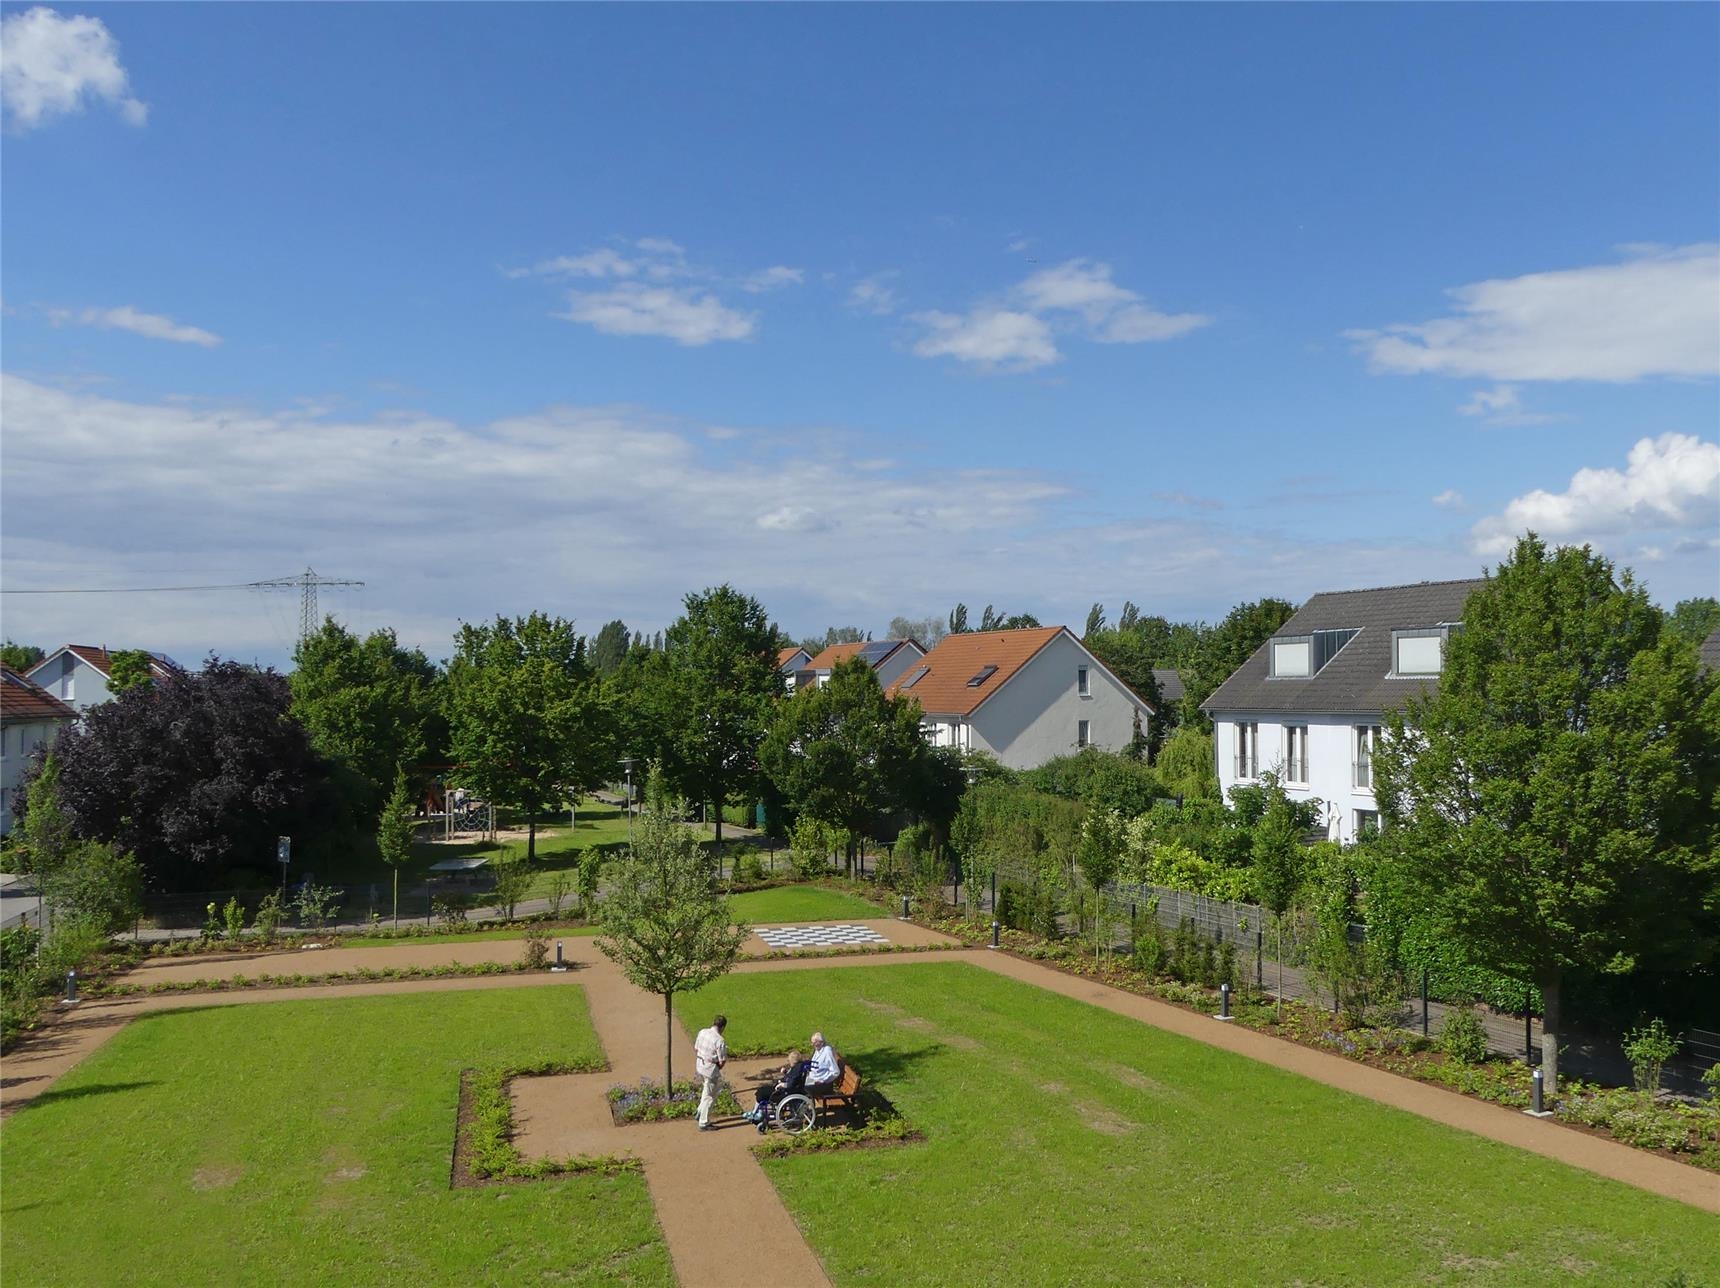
799	1077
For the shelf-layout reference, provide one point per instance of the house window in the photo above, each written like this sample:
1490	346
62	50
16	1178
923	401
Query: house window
1082	686
1296	753
1291	657
1418	652
1248	750
1367	823
1367	738
1081	732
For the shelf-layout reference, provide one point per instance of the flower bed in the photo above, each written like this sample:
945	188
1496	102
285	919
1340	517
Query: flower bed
357	975
484	1147
645	1101
1689	1133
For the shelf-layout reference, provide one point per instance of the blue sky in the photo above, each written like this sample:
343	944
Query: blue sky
866	310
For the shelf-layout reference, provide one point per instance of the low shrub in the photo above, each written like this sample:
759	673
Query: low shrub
536	953
1462	1036
1648	1048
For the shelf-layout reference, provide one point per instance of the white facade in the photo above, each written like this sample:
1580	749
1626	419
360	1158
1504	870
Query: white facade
1328	758
71	679
897	664
1059	701
18	745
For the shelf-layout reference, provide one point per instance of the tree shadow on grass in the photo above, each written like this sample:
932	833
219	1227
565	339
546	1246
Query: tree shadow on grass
52	1096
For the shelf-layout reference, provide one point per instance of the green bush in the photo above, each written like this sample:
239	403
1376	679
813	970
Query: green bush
1148	938
536	953
749	869
18	949
268	917
451	908
1650	1128
234	917
1648	1048
1462	1037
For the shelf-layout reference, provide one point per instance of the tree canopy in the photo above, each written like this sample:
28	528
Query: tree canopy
197	776
1557	795
722	668
20	657
129	669
609	647
1224	648
529	724
1693	620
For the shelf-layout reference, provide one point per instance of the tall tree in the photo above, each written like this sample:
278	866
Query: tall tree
844	753
665	923
369	704
129	669
609	647
529	725
1226	647
1131	614
959	620
927	630
20	657
197	777
1557	795
722	655
1095	621
816	644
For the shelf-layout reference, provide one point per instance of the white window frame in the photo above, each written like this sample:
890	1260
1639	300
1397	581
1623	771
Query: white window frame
1247	749
1434	633
1083	682
1083	733
1296	754
1365	745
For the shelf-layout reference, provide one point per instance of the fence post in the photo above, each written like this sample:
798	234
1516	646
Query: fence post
1528	1031
1424	1001
1260	958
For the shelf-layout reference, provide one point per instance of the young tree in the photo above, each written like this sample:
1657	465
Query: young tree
529	723
844	753
1099	856
129	669
1185	765
394	833
959	620
196	776
665	922
1557	794
1280	867
369	704
722	657
90	881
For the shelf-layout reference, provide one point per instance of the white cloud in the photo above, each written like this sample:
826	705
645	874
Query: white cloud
1653	314
1108	314
52	66
152	326
652	290
682	314
997	339
874	295
771	279
1450	499
1670	484
1503	405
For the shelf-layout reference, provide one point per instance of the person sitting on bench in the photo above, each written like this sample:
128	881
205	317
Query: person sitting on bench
826	1068
799	1077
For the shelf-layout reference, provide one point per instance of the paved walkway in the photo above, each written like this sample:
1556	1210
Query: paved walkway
721	1217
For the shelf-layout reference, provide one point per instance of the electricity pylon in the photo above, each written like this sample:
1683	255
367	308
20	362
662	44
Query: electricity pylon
307	583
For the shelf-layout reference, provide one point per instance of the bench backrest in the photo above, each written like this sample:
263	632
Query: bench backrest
850	1081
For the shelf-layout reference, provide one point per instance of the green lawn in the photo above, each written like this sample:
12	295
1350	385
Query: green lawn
800	903
306	1143
1068	1145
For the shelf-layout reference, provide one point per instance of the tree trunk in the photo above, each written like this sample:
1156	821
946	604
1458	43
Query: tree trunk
531	837
1280	998
718	795
397	896
668	1042
1552	1024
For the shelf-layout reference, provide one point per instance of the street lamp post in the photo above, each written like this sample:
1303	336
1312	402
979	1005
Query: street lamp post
627	765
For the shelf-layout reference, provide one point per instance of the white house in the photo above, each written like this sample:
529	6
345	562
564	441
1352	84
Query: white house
78	674
888	658
29	718
1024	696
1308	704
790	662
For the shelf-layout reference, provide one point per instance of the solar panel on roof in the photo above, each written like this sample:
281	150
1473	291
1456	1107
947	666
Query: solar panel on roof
875	651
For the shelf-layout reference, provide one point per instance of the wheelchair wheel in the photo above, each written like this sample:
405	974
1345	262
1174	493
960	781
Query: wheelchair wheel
796	1114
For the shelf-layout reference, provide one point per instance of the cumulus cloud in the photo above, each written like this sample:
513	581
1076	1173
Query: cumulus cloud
873	295
997	339
1450	499
152	326
1670	484
648	287
1502	405
52	66
1653	314
1078	293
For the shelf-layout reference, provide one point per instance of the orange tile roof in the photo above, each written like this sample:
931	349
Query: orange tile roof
783	654
22	702
944	690
828	659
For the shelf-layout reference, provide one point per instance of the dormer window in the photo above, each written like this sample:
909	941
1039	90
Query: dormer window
1293	657
1419	652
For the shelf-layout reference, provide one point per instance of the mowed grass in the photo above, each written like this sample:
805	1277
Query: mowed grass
1067	1145
306	1143
800	903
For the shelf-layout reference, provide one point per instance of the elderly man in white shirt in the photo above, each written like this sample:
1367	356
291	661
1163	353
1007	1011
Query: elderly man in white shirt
825	1069
710	1054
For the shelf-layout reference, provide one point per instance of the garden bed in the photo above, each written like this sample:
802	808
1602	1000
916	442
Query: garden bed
484	1149
357	975
645	1102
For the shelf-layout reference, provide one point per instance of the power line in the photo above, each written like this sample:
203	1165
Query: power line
130	590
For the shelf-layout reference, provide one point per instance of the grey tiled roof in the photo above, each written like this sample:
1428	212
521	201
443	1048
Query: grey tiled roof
1355	681
1711	650
1170	684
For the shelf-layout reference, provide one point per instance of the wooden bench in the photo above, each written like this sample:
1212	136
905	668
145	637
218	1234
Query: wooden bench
842	1091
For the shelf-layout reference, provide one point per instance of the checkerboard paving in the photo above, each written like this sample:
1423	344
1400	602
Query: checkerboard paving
791	937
